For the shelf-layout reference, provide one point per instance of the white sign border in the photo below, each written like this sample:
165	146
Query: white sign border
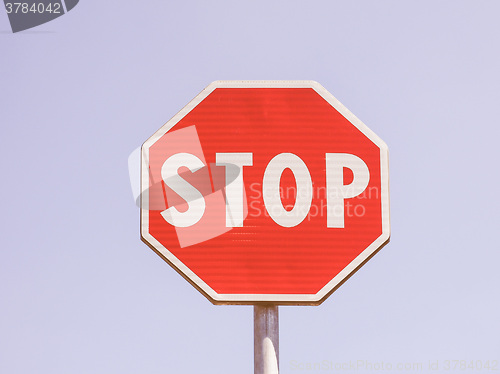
279	299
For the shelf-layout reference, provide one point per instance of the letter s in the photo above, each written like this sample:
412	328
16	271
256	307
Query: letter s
193	197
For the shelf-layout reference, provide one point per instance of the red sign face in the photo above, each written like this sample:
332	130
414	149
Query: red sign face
265	192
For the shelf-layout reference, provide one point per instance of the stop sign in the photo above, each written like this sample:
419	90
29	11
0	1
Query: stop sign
265	191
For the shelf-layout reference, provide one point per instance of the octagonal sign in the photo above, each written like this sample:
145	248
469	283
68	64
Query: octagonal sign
265	191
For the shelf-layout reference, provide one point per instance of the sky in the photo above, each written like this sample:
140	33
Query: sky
80	292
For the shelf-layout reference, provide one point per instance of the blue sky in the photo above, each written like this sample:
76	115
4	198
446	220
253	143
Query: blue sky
79	291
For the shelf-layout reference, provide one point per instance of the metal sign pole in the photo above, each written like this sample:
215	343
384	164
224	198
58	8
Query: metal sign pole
266	339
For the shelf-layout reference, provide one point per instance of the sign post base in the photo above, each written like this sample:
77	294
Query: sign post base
266	339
